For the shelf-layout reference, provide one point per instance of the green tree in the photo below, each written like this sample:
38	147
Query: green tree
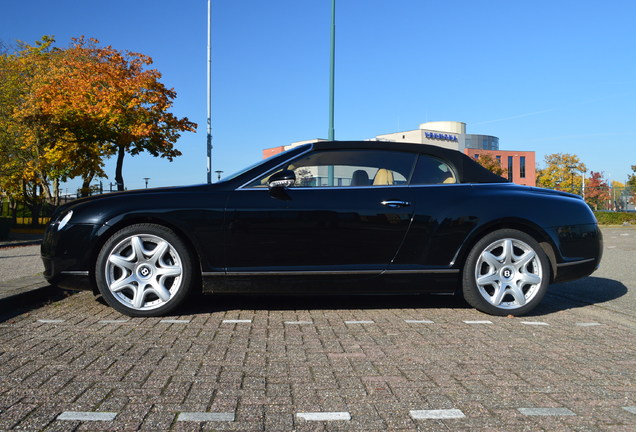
24	137
562	172
631	185
631	179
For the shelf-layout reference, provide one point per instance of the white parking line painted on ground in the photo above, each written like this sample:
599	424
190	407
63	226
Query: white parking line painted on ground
324	416
359	322
175	321
546	411
121	321
236	321
436	414
299	322
478	322
206	417
87	416
588	324
630	409
535	323
419	322
51	321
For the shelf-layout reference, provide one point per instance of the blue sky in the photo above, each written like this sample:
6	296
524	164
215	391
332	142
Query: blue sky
549	76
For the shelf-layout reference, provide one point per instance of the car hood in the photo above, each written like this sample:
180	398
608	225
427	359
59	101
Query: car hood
555	192
100	203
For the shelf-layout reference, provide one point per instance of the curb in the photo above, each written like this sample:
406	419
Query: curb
18	243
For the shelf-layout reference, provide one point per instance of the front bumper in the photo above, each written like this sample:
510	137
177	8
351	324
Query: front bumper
68	255
579	251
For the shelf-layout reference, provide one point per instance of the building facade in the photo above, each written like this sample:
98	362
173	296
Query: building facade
520	166
447	134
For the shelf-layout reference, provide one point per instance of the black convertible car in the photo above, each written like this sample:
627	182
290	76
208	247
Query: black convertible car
332	218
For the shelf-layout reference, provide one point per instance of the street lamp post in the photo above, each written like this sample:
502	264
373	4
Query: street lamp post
572	168
583	183
146	180
218	174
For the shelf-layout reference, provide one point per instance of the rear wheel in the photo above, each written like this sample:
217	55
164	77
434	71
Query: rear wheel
144	270
506	273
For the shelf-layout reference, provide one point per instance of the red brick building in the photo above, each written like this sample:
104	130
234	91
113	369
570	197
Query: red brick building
521	165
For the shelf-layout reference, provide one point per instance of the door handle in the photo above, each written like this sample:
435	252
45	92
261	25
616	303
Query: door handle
395	204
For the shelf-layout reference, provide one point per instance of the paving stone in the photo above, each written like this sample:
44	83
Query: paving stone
268	370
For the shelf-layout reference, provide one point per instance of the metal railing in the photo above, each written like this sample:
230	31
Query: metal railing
607	198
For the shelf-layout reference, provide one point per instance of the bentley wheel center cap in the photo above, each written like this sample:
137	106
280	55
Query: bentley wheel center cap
507	273
144	271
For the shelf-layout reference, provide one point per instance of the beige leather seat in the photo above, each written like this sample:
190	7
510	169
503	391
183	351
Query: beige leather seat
383	177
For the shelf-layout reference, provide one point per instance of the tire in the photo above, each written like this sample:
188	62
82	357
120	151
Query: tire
144	270
506	273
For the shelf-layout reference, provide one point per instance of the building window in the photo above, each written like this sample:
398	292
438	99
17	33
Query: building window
510	167
522	167
476	155
498	159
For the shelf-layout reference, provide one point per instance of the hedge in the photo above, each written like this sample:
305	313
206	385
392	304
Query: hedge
615	218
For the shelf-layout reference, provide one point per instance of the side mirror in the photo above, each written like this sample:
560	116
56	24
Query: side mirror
282	179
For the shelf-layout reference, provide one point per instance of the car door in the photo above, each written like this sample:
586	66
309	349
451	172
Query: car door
348	211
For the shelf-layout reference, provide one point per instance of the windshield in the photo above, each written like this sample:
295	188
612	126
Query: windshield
254	165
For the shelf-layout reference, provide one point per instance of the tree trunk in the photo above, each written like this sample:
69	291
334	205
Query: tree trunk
56	192
86	186
119	178
46	190
85	190
32	202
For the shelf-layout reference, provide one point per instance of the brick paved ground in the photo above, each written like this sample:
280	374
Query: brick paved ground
283	364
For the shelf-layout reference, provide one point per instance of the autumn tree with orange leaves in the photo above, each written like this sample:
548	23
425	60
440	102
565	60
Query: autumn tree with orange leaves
111	105
492	164
64	111
597	191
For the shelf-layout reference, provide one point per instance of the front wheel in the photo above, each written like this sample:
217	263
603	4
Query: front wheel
144	270
506	273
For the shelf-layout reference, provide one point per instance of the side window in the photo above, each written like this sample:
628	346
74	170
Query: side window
430	170
348	168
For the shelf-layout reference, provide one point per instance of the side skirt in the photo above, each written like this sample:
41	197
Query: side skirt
332	283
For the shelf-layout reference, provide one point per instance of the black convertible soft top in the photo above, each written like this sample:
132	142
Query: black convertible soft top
467	169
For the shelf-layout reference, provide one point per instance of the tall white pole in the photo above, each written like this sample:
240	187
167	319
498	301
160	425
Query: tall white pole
209	127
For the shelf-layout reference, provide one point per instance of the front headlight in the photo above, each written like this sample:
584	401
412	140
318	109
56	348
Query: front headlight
65	220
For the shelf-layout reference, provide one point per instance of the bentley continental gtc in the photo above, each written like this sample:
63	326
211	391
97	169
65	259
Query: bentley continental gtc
328	218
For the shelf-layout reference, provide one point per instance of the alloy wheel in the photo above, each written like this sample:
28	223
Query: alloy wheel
508	273
143	272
